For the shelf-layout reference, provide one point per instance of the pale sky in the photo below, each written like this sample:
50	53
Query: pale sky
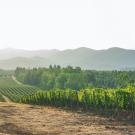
62	24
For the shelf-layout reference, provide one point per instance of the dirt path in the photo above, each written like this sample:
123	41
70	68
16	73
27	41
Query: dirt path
14	78
19	119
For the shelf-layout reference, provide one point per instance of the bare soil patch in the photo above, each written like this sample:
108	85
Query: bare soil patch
20	119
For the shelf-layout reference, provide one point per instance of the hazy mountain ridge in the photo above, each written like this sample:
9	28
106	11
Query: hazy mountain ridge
108	59
9	53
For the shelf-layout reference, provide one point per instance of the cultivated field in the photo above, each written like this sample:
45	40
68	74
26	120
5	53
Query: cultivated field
22	119
10	88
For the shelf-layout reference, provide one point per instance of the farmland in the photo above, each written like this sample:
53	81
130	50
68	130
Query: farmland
113	101
13	90
110	92
87	111
110	101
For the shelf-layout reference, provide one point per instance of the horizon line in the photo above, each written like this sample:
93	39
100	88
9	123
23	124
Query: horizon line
40	49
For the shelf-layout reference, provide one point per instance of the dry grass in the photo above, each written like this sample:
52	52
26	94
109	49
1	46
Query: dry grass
19	119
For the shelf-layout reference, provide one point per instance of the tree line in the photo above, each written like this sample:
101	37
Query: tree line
74	78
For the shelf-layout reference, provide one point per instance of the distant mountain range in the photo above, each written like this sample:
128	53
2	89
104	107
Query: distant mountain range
110	59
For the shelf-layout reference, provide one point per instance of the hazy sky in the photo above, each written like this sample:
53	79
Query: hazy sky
61	24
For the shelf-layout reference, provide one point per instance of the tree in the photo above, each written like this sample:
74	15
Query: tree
60	81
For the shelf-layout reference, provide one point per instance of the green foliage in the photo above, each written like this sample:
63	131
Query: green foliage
7	81
100	99
14	91
6	72
113	100
74	78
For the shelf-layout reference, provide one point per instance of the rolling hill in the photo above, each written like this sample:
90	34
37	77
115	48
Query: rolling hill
110	59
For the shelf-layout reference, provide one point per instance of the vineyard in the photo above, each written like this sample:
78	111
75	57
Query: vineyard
14	91
99	99
112	101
